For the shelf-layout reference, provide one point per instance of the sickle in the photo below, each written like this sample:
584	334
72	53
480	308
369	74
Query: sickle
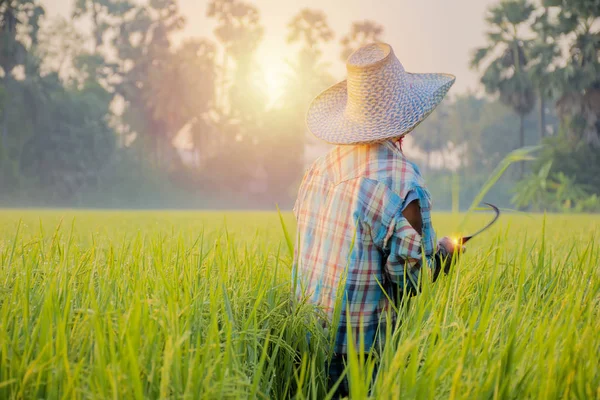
465	239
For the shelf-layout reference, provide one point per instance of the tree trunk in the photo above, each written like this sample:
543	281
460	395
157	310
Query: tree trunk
522	142
97	34
157	158
4	128
5	111
542	97
223	95
542	116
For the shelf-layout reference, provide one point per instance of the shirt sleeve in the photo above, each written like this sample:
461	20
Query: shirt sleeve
410	197
406	248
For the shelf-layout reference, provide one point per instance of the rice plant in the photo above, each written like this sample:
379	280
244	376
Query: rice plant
97	304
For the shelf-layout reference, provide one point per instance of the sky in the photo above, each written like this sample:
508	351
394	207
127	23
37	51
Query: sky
426	35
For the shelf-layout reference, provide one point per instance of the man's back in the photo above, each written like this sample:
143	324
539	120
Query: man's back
352	239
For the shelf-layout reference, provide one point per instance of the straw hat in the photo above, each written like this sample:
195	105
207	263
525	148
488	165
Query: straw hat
378	101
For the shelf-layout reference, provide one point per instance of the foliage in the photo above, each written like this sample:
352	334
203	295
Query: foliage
145	68
239	27
469	135
60	44
506	73
193	113
433	134
567	178
64	156
19	24
361	33
533	190
558	193
310	30
239	108
187	304
56	158
102	14
56	136
562	62
576	78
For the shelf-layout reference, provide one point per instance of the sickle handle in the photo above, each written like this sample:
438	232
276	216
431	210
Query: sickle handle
464	239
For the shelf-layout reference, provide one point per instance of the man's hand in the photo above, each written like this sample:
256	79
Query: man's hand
448	250
451	246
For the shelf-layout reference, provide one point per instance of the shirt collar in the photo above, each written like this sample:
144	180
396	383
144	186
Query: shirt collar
394	145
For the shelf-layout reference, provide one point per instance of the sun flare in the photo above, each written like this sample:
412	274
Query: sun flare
275	82
274	69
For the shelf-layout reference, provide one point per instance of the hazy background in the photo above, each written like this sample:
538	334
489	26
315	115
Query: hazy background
427	35
201	104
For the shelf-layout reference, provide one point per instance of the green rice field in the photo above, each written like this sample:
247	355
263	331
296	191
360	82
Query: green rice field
188	305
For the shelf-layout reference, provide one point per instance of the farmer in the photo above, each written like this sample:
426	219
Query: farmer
363	210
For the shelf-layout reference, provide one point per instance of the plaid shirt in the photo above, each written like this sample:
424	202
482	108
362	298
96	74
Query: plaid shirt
352	238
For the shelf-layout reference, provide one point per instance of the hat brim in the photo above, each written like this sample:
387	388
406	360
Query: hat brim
329	120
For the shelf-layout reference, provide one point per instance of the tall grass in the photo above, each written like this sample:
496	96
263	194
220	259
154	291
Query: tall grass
200	305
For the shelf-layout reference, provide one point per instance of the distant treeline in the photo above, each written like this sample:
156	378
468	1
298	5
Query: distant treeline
90	119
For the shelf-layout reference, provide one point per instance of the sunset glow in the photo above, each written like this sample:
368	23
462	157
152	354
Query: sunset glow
275	75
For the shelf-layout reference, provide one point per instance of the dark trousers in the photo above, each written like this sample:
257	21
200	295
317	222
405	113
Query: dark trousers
336	370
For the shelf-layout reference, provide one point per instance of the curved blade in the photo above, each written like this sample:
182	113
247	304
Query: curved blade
465	239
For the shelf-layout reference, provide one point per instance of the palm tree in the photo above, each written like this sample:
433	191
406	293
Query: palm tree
308	75
240	32
14	16
544	52
143	47
507	59
361	33
310	29
579	78
100	13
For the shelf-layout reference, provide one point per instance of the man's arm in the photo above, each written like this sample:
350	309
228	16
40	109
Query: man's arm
404	248
412	213
405	244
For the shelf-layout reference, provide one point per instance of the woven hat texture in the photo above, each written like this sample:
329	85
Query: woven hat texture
378	101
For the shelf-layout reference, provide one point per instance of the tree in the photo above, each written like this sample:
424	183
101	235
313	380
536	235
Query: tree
19	27
187	98
578	79
543	54
563	63
71	139
310	31
532	191
555	192
63	133
240	32
361	33
432	134
16	16
475	133
102	14
506	73
60	44
145	69
311	28
239	114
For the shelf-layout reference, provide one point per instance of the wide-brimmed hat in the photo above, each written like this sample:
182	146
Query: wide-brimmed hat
378	101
